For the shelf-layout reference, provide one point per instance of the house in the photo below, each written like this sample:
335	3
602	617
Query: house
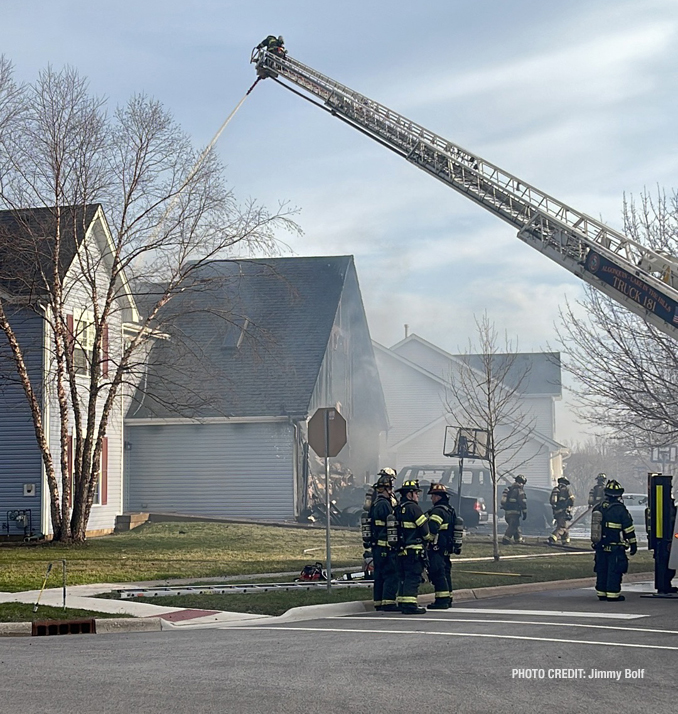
252	349
416	377
27	247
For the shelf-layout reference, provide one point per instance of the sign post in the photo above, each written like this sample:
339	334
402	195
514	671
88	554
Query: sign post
327	437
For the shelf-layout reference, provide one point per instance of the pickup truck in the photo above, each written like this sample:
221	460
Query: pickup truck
539	515
473	508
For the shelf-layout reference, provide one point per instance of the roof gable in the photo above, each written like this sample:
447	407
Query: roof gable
537	372
28	245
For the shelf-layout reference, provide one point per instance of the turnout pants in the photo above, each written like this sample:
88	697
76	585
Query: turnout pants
410	569
513	530
440	573
561	531
610	566
385	576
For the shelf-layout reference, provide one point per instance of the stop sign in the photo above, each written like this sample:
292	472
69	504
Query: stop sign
327	428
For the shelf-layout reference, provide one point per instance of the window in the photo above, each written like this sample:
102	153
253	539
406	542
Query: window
101	492
83	341
82	331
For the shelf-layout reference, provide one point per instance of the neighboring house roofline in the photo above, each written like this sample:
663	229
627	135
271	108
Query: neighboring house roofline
463	361
409	363
538	436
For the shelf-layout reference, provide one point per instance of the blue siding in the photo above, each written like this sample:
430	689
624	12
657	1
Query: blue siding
20	461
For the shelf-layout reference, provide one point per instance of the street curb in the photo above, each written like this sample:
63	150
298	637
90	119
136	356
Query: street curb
525	588
294	614
15	629
103	625
113	625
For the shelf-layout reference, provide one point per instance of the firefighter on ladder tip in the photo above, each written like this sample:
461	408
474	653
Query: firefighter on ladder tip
611	532
447	530
562	502
273	44
374	525
514	504
597	493
408	537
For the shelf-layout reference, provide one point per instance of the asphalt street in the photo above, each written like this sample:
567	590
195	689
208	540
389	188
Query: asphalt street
548	652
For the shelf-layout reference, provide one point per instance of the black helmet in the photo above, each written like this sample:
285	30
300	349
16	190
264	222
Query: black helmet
613	488
437	488
564	481
520	479
601	477
409	487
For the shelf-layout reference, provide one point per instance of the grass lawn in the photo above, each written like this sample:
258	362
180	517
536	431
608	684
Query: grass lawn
464	575
22	612
159	551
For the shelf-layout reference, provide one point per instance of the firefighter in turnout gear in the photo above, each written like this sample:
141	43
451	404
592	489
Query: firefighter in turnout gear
441	522
273	44
514	505
611	531
597	493
562	501
413	533
383	557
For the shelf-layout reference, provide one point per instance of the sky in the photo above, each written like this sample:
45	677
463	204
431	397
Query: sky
576	97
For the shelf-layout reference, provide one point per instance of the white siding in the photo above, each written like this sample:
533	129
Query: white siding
236	470
78	296
413	400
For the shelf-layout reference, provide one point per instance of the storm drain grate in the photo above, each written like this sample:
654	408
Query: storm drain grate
63	627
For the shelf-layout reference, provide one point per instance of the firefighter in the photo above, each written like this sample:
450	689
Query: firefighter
514	504
273	44
383	557
597	493
611	532
413	533
441	520
562	501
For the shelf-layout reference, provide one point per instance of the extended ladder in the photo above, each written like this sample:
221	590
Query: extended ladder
636	276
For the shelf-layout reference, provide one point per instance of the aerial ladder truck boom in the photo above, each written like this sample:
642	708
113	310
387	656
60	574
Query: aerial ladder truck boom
643	280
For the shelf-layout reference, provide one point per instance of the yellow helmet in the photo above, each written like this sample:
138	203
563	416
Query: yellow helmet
410	486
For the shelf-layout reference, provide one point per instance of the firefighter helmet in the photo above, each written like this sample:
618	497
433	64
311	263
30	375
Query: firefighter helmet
437	488
520	479
410	486
564	480
601	477
386	478
613	488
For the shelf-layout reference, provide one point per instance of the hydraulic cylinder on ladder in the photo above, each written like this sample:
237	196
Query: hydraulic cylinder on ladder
643	280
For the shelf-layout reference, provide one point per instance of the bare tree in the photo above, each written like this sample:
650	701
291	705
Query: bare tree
625	369
484	394
168	212
599	454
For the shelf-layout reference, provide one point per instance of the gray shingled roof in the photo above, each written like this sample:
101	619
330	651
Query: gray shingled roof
27	241
247	339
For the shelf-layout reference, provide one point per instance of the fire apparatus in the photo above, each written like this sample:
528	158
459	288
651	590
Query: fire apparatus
643	280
